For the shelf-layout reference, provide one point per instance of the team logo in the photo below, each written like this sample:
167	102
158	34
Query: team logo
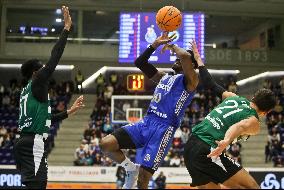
270	182
147	158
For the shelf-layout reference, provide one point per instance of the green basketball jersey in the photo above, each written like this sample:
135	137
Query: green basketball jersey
34	116
215	125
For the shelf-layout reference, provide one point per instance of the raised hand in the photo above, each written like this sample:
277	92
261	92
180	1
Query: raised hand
163	39
67	18
78	104
196	54
222	145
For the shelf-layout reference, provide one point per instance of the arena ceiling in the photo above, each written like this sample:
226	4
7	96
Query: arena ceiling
255	8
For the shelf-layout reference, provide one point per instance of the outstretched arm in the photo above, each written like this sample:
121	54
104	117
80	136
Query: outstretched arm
248	126
40	81
57	51
206	78
142	61
78	104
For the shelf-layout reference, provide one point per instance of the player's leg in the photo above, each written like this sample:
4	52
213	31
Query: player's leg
159	141
207	172
145	174
209	185
31	161
110	146
241	180
127	137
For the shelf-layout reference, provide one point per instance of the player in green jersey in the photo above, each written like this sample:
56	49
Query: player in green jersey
235	117
35	114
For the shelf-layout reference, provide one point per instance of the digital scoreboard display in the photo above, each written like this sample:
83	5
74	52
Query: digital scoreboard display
139	30
135	82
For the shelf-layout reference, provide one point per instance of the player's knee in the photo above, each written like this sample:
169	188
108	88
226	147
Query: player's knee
104	145
107	144
252	185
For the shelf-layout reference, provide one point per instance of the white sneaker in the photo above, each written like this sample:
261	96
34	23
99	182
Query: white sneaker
131	178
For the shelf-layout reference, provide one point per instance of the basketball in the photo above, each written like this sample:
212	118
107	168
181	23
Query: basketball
168	18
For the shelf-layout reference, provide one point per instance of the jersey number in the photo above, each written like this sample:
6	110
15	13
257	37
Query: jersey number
234	104
23	105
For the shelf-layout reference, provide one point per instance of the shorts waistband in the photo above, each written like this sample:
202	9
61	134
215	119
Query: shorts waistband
165	121
43	136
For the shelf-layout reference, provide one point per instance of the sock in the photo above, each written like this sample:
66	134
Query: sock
128	165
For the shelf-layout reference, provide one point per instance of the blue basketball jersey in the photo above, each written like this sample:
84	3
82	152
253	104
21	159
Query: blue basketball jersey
170	99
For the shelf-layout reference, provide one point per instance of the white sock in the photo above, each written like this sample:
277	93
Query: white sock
128	165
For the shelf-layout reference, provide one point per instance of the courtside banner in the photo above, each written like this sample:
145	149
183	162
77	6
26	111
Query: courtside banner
175	175
82	174
269	179
10	178
108	174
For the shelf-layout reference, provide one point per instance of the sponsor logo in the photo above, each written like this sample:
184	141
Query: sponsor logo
270	182
162	115
147	158
213	121
10	180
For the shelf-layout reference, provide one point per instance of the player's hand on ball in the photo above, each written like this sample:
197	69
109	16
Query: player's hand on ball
222	145
67	18
163	39
78	104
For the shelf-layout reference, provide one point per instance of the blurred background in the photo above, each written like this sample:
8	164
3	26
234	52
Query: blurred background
242	42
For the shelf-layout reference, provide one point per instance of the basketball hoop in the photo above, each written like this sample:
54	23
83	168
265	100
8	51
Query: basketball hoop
133	119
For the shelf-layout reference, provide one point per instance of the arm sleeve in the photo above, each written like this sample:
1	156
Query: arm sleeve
209	82
41	80
59	116
142	63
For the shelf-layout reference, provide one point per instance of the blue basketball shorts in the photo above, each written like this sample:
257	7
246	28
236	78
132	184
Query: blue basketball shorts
153	138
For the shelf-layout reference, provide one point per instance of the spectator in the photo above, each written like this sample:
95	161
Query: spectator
175	161
278	107
234	153
274	137
100	81
232	87
267	84
97	159
161	181
79	78
120	175
88	134
107	127
281	84
80	156
185	135
267	152
113	79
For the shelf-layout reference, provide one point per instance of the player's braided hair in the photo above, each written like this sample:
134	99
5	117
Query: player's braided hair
264	99
29	67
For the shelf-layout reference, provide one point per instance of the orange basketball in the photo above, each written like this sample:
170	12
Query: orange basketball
168	18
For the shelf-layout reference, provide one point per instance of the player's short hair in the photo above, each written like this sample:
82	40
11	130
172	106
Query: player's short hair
264	99
29	67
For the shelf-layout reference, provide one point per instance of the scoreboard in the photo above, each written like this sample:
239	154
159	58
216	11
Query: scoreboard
139	30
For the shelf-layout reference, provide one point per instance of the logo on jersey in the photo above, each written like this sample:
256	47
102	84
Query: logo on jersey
147	158
270	182
167	87
214	122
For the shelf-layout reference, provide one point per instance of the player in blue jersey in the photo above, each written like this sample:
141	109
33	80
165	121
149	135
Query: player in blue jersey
154	133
